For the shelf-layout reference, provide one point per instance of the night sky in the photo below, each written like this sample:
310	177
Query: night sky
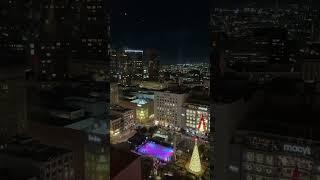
178	29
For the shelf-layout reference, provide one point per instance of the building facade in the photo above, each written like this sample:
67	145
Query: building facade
116	125
114	93
193	114
267	156
168	108
123	120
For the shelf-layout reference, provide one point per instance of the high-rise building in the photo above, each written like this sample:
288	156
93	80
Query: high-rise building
70	31
94	30
135	62
119	67
53	46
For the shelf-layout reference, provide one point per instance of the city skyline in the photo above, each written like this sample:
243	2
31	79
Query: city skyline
178	29
222	90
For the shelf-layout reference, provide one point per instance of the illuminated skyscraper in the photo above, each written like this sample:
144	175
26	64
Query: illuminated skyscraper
119	67
135	64
70	31
50	51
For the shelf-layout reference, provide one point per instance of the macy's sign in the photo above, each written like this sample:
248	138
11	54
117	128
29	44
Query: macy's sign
297	149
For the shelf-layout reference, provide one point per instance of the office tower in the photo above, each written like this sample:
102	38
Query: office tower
126	66
72	49
119	67
135	64
94	31
274	41
53	45
70	31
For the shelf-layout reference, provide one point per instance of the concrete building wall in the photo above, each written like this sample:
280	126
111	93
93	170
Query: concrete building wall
132	171
227	118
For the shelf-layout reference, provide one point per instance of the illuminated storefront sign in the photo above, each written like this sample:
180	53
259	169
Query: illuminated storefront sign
297	149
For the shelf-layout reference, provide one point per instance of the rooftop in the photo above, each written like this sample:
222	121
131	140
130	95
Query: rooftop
140	101
87	99
115	109
176	90
64	108
200	101
31	149
91	125
54	121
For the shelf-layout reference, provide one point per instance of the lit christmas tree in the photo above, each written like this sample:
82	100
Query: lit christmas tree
195	165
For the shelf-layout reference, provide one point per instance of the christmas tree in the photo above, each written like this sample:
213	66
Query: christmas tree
195	165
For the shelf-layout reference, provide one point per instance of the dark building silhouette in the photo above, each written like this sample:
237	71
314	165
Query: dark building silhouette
152	58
